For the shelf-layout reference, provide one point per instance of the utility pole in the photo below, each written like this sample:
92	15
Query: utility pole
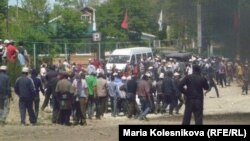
199	27
238	31
17	4
7	18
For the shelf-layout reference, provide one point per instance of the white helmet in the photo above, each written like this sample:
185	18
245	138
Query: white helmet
25	69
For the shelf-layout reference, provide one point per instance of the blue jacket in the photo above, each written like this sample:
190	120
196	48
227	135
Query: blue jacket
4	85
24	87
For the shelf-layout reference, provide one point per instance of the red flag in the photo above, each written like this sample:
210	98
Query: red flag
124	24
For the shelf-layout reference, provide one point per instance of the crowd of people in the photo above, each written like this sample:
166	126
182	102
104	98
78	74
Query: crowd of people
152	86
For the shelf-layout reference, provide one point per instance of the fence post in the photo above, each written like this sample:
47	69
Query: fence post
99	50
66	52
34	55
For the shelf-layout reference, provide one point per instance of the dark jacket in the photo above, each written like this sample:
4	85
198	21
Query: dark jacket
37	82
38	85
195	84
4	86
168	86
24	87
131	89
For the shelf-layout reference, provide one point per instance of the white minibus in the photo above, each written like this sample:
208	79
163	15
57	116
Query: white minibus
121	57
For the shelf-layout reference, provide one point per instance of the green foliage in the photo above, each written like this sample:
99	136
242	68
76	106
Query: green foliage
14	71
30	22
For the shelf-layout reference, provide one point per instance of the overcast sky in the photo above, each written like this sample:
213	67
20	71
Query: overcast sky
14	2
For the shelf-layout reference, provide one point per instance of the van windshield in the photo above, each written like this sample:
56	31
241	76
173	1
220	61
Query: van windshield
119	58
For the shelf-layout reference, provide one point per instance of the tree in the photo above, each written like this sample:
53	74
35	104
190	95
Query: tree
3	17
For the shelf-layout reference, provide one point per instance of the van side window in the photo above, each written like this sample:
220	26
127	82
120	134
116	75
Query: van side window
150	55
144	55
138	57
133	59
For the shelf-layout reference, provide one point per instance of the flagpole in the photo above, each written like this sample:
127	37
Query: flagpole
94	23
160	21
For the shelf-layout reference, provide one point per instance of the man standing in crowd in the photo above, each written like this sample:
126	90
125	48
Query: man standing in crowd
64	93
143	91
91	83
51	79
25	89
113	95
169	91
38	87
159	96
131	87
194	83
101	87
22	54
11	51
81	97
5	94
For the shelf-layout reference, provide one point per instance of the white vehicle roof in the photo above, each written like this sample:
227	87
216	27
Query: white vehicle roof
133	50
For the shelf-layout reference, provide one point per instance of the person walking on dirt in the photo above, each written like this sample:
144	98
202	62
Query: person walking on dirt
39	88
5	94
64	94
143	91
25	89
131	86
51	81
195	84
81	98
212	84
245	79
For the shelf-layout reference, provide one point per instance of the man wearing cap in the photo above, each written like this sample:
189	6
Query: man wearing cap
159	96
11	51
180	98
131	86
25	89
143	91
64	94
92	92
169	90
101	87
5	94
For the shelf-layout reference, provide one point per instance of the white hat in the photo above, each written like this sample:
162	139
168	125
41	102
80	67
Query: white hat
124	78
150	68
148	74
25	69
169	66
115	73
176	74
3	68
161	75
6	41
129	77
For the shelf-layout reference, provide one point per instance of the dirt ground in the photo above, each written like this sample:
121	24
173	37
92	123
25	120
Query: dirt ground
230	108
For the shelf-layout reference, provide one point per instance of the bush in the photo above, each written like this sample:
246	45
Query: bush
14	71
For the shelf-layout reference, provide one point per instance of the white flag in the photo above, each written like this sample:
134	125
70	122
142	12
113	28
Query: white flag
160	21
94	23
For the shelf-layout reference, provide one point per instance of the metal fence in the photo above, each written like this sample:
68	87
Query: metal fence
52	49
